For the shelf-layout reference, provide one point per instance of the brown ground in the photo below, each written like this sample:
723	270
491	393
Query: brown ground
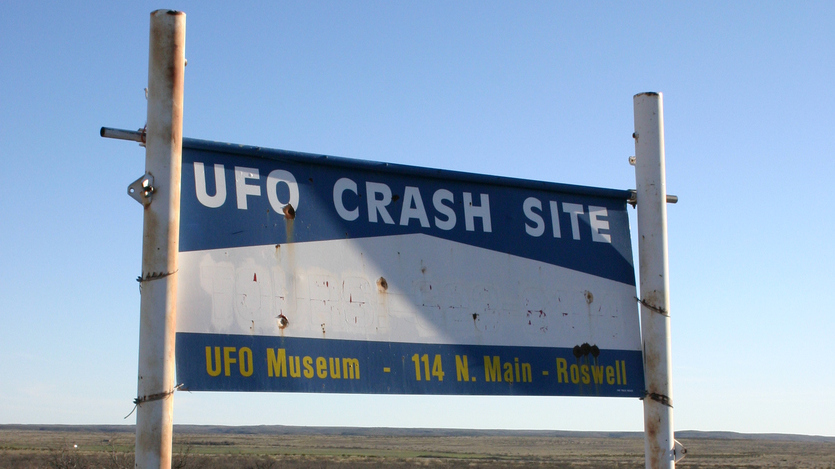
51	448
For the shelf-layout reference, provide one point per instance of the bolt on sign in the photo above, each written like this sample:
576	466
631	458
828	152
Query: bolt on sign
309	273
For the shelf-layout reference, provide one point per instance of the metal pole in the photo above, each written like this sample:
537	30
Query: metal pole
654	273
160	240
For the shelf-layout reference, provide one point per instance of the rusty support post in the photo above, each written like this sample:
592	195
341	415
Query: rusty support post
160	241
654	274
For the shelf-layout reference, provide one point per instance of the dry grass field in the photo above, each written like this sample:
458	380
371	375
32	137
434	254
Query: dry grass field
218	447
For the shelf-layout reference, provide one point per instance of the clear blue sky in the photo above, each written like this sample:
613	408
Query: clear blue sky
535	90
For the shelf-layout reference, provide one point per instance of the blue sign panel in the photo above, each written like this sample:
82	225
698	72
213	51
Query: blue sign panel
310	273
262	363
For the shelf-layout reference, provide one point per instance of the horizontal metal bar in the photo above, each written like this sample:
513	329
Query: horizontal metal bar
259	152
121	134
633	198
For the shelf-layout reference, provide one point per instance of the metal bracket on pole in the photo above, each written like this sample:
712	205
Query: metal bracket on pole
121	134
679	451
142	189
633	197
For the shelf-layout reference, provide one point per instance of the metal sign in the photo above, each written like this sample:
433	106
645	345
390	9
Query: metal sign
310	273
